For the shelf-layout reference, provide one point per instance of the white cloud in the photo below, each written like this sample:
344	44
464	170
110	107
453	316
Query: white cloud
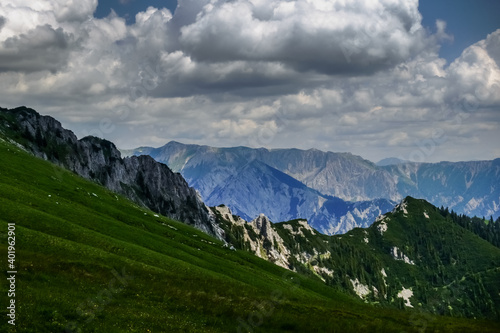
476	73
335	75
348	120
324	36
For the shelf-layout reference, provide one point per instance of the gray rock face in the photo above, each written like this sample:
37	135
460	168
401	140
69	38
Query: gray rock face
258	236
139	178
286	184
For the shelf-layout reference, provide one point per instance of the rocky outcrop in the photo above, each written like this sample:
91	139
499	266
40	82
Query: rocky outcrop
292	245
139	178
257	236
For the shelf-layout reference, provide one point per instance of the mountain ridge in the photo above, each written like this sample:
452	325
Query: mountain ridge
474	188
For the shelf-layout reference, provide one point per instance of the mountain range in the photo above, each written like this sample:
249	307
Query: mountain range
335	192
108	210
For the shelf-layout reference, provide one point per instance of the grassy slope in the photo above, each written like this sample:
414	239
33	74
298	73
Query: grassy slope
71	245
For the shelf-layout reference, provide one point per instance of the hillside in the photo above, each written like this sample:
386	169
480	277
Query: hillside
89	260
410	257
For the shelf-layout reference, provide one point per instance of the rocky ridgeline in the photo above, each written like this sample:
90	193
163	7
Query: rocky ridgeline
279	243
257	236
141	179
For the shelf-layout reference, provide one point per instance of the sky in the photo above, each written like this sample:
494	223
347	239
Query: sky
378	78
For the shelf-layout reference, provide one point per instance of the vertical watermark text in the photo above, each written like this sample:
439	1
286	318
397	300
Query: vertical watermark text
11	273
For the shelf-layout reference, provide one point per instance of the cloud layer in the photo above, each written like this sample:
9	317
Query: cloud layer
360	76
325	36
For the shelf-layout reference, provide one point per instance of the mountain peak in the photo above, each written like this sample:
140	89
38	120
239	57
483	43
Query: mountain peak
407	210
390	161
402	206
411	205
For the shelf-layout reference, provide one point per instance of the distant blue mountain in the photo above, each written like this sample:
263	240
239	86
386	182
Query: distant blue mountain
390	161
335	192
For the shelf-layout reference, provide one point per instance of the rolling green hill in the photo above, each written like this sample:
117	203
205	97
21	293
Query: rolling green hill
89	260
